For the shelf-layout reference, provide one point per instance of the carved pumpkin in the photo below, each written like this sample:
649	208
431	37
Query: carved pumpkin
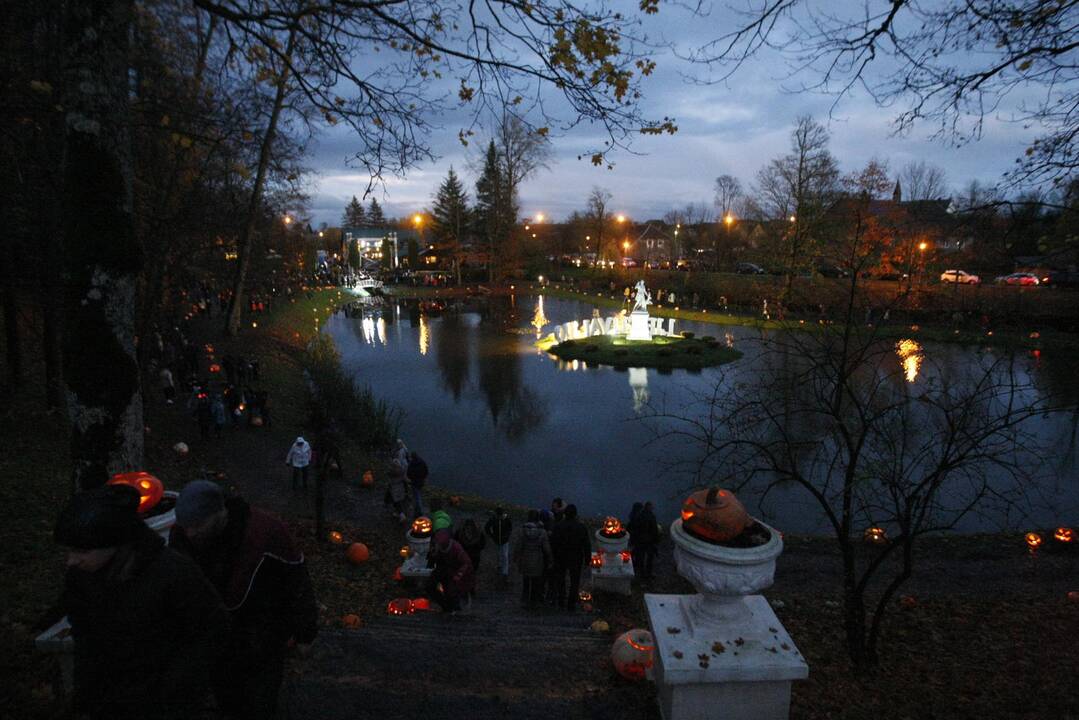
215	368
714	515
336	537
404	551
1034	540
908	601
875	536
626	556
400	606
600	626
421	603
397	576
584	596
368	479
256	420
1073	596
358	553
597	560
351	621
149	487
1063	534
632	653
421	527
612	528
586	607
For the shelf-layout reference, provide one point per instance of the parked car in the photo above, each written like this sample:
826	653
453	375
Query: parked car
747	268
1018	279
1061	278
831	271
961	277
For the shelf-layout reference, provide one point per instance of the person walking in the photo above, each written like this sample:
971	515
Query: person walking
397	492
168	385
644	539
417	477
499	528
453	577
571	547
135	606
250	557
533	556
299	458
204	413
217	411
472	541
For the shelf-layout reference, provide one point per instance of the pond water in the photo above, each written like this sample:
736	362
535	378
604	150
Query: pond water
493	415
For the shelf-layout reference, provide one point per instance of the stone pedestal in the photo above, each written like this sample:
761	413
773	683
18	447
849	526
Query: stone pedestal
416	564
615	574
722	652
638	326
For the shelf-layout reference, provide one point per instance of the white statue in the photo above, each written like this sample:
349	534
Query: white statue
642	299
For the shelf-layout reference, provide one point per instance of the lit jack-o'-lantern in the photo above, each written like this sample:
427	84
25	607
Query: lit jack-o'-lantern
875	536
597	560
400	606
612	528
336	537
421	527
358	553
584	596
1063	534
404	551
215	368
149	487
632	653
1034	540
397	576
626	556
368	479
714	515
421	603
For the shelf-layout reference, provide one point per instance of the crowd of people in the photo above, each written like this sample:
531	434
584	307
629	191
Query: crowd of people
158	628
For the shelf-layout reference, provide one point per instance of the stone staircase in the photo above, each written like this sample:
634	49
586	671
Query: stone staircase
497	660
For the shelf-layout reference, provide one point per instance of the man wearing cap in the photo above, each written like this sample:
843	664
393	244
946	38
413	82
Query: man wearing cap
146	623
250	558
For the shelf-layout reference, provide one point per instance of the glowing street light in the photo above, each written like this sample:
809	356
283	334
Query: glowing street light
417	220
728	220
288	220
625	245
621	218
539	217
792	218
923	245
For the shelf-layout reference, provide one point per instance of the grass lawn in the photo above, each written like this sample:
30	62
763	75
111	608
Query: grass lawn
660	352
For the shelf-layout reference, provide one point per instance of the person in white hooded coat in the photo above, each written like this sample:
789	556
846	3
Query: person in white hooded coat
299	459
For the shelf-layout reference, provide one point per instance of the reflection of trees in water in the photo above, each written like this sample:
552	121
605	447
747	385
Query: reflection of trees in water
453	340
515	409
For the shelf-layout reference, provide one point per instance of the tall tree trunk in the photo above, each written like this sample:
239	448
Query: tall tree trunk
248	233
102	258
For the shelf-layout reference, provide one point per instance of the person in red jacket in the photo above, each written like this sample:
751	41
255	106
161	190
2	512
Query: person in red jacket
453	578
249	556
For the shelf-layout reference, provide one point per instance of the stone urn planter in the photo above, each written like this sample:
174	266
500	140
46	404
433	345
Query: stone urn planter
419	545
612	567
722	575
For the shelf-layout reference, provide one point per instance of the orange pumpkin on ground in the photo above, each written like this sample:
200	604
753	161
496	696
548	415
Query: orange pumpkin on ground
400	606
632	653
714	515
358	553
351	621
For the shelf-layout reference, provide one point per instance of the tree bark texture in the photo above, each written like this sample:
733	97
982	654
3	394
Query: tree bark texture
101	255
244	260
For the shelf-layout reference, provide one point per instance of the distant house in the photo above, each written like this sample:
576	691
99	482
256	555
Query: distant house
655	245
370	240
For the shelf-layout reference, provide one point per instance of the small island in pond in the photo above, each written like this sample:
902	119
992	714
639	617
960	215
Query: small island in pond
660	352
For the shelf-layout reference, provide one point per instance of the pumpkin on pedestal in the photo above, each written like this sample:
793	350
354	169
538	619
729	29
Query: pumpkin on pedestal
358	553
714	515
612	528
149	487
632	653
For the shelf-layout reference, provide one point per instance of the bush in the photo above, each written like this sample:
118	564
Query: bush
708	339
338	398
688	335
664	352
591	348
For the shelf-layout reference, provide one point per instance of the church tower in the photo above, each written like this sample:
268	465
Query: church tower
897	194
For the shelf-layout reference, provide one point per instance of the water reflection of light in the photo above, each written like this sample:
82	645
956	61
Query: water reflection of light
539	319
574	365
910	354
638	380
729	337
368	326
425	334
381	331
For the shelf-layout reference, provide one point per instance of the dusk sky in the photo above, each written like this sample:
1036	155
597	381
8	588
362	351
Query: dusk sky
731	128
